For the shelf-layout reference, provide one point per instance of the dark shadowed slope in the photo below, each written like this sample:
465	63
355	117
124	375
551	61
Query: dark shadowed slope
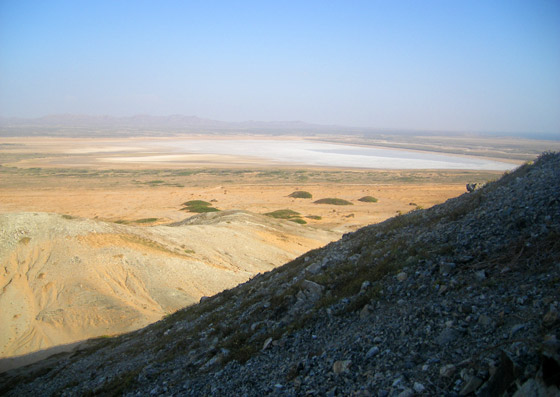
459	298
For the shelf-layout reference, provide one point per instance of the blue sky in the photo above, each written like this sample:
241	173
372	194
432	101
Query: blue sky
480	66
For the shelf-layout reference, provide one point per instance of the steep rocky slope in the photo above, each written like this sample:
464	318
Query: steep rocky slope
459	299
65	279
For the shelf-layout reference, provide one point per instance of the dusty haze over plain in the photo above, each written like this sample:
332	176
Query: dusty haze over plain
449	66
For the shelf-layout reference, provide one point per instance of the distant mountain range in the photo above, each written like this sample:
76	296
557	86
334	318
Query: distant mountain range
61	123
73	125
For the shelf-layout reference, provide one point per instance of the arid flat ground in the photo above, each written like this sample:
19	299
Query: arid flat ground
88	177
164	203
106	259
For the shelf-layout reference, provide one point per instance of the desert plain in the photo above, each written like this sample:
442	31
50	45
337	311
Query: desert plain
129	179
97	239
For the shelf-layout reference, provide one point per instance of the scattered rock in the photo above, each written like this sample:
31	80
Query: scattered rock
310	291
516	328
314	268
447	336
418	387
212	362
501	380
406	393
341	366
266	343
446	267
372	352
480	275
551	318
365	312
365	285
447	370
484	320
537	388
472	384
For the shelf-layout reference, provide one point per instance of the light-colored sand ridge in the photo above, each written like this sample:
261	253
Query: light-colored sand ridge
64	280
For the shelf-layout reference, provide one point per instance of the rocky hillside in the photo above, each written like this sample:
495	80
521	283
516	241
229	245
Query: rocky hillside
459	299
65	279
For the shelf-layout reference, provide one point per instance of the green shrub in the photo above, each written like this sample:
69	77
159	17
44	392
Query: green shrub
287	214
283	214
155	182
301	194
146	220
368	199
314	217
197	203
199	209
198	206
333	201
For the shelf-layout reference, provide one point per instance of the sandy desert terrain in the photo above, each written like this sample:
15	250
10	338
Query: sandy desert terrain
88	178
87	243
65	279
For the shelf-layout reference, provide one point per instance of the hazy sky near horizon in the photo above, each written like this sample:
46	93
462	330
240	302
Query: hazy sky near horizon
482	66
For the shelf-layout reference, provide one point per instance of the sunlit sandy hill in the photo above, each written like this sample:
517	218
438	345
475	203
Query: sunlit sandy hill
66	279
